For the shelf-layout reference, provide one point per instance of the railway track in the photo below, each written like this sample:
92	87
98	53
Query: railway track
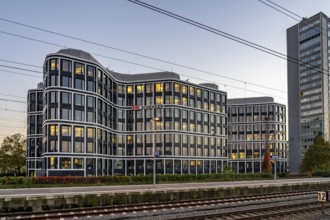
259	213
165	208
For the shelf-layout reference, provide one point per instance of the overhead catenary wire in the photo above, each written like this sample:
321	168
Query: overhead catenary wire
11	100
20	63
278	10
22	74
134	63
229	36
125	51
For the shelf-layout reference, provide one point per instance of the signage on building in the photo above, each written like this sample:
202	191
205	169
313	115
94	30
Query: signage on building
136	107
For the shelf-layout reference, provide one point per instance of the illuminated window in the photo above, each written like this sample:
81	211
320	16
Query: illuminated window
212	107
139	89
129	89
65	163
129	139
53	130
159	87
90	132
53	162
199	93
79	69
53	64
233	156
241	155
177	100
206	105
184	126
79	132
177	125
159	100
91	71
78	163
66	130
192	127
184	101
191	90
256	136
184	89
177	87
192	162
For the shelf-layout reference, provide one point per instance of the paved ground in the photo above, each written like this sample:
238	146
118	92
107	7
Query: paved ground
143	188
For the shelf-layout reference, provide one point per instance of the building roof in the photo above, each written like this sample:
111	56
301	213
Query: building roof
250	100
120	76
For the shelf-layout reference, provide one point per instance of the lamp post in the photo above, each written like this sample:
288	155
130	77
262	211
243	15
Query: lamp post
35	160
153	121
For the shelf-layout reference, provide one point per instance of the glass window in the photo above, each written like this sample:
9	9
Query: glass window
191	90
79	100
79	115
91	117
66	98
129	89
168	87
79	69
78	147
159	87
91	86
66	66
65	163
66	113
66	146
199	93
66	130
90	147
139	89
91	71
177	87
159	99
184	89
53	130
53	64
91	102
79	132
148	88
91	133
78	163
79	84
66	81
206	94
53	97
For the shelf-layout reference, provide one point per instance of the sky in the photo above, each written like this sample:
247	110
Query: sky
126	26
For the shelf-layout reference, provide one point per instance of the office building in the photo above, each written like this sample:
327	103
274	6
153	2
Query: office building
254	124
308	84
34	130
98	122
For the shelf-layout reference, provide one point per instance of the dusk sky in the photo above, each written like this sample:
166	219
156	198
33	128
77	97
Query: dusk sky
127	26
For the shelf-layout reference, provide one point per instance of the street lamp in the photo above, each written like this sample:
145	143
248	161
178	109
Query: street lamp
35	160
153	121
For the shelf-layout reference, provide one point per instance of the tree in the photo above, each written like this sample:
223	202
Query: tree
317	157
12	153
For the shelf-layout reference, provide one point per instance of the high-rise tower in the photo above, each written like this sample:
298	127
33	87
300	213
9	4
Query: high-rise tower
308	52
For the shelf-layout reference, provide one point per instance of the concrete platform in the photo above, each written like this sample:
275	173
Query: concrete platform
86	190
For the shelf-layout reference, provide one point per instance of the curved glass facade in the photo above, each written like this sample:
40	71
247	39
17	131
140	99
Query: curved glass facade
98	122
